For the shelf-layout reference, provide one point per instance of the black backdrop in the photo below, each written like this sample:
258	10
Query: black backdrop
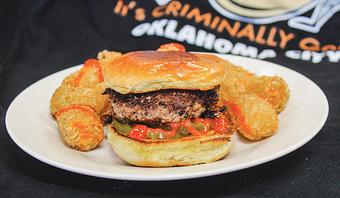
39	38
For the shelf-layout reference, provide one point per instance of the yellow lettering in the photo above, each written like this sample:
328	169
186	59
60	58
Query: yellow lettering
173	8
259	37
248	32
196	14
328	48
285	38
309	43
271	37
158	11
184	10
225	25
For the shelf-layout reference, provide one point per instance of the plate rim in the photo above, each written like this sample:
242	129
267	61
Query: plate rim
176	176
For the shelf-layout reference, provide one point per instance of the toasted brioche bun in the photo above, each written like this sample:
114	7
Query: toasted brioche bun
164	153
145	71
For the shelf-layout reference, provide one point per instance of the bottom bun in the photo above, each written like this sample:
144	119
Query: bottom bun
164	153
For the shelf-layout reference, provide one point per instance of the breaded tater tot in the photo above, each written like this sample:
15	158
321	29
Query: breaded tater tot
70	79
231	88
256	118
68	95
239	81
90	74
80	127
234	84
274	90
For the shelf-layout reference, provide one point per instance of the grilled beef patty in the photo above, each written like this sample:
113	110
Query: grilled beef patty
163	106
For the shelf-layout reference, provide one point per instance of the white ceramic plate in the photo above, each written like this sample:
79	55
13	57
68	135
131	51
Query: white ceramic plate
30	126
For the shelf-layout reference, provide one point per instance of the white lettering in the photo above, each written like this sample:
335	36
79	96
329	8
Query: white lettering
267	53
244	50
188	34
170	30
222	45
306	55
317	57
205	39
140	29
314	57
293	54
157	27
333	56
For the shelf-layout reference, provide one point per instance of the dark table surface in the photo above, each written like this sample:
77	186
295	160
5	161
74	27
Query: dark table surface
39	38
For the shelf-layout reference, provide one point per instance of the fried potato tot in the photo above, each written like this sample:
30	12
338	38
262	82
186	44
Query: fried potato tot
232	87
235	82
90	74
255	117
274	90
239	81
80	127
68	95
70	79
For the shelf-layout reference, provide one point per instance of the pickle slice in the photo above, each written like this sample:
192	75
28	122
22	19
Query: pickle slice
179	135
165	127
183	130
122	128
153	135
198	126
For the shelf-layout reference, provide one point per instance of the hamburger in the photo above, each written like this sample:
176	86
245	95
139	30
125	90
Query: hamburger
165	110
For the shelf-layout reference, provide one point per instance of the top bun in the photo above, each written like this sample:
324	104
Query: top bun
145	71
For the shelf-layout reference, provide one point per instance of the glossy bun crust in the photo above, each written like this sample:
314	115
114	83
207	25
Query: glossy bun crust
165	153
145	71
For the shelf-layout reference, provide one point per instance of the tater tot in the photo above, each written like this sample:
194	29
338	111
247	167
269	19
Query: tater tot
90	74
231	87
239	81
80	127
70	79
274	90
234	84
67	95
256	118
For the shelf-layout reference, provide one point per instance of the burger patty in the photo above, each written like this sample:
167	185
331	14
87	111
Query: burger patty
163	106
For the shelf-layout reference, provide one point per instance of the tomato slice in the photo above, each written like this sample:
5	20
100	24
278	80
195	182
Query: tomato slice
139	132
219	124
